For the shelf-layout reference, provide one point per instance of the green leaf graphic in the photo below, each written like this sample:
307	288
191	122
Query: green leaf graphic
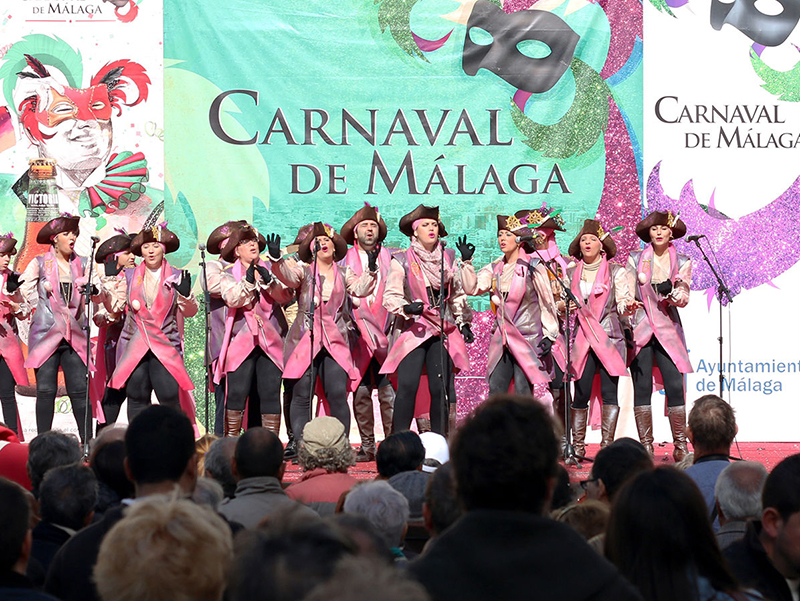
396	16
783	84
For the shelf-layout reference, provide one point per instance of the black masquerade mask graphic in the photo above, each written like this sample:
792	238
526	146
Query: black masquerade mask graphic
503	56
767	30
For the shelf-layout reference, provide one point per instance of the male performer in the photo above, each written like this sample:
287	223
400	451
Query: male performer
365	231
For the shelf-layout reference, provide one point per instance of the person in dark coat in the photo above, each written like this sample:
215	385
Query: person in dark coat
503	547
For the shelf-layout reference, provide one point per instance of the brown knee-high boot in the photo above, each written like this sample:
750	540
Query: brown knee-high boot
423	424
677	423
579	418
609	424
233	422
386	404
272	422
452	420
644	425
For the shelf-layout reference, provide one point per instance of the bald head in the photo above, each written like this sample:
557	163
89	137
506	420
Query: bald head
738	490
258	453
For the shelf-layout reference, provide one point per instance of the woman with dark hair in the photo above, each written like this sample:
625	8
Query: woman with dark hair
334	329
12	307
660	538
525	324
598	344
660	278
414	295
155	297
53	284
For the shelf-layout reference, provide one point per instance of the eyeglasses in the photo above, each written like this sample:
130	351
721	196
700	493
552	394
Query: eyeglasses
584	483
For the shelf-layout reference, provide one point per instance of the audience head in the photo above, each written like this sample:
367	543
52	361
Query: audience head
48	450
259	453
437	451
366	539
286	559
780	519
165	548
660	538
15	534
218	463
588	518
614	465
384	507
504	456
108	464
159	450
711	426
563	494
399	452
208	492
325	445
738	491
68	495
412	486
441	508
201	447
14	458
363	578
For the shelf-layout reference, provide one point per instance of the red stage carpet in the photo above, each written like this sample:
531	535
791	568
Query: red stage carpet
768	453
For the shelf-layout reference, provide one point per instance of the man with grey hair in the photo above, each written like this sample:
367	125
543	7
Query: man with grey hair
48	450
738	492
218	464
67	498
385	508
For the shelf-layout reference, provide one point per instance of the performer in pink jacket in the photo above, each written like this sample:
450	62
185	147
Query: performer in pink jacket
150	352
413	295
334	327
53	284
12	305
598	344
661	279
365	231
251	355
525	324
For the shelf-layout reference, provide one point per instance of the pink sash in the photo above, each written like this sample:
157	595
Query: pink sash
658	321
591	335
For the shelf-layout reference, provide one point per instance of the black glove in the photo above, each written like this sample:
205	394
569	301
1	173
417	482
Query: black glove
466	332
274	246
250	274
545	344
12	282
111	266
465	248
93	291
184	287
266	276
664	288
414	308
372	258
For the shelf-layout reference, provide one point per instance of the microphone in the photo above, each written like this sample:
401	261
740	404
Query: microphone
695	238
95	239
443	243
528	238
317	246
201	247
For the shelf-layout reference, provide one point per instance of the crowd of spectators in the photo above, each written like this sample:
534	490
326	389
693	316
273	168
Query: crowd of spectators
154	515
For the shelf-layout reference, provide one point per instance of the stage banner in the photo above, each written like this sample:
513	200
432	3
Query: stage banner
722	149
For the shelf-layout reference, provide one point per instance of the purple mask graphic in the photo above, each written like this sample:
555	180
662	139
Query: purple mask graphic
503	56
767	30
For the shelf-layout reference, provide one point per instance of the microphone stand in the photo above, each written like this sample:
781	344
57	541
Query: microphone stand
312	312
206	307
570	456
722	290
87	299
444	395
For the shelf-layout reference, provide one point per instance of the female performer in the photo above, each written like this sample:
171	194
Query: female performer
331	310
598	342
53	284
414	294
252	345
12	306
661	278
150	351
525	314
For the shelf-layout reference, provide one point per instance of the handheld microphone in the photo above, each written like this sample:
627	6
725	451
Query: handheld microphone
201	247
695	238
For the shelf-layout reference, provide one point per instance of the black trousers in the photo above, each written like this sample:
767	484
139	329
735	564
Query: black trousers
8	396
148	376
409	372
583	385
260	371
373	378
47	386
288	393
506	370
112	402
334	383
642	374
219	408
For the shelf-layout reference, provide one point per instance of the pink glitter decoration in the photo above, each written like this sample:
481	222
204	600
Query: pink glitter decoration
512	6
751	251
620	202
625	21
471	386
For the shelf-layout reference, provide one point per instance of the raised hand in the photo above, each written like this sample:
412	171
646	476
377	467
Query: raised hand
414	308
266	276
274	246
111	267
184	287
466	249
250	274
372	258
466	332
13	282
93	291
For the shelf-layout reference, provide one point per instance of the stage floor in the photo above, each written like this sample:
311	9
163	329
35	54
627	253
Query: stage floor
768	453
